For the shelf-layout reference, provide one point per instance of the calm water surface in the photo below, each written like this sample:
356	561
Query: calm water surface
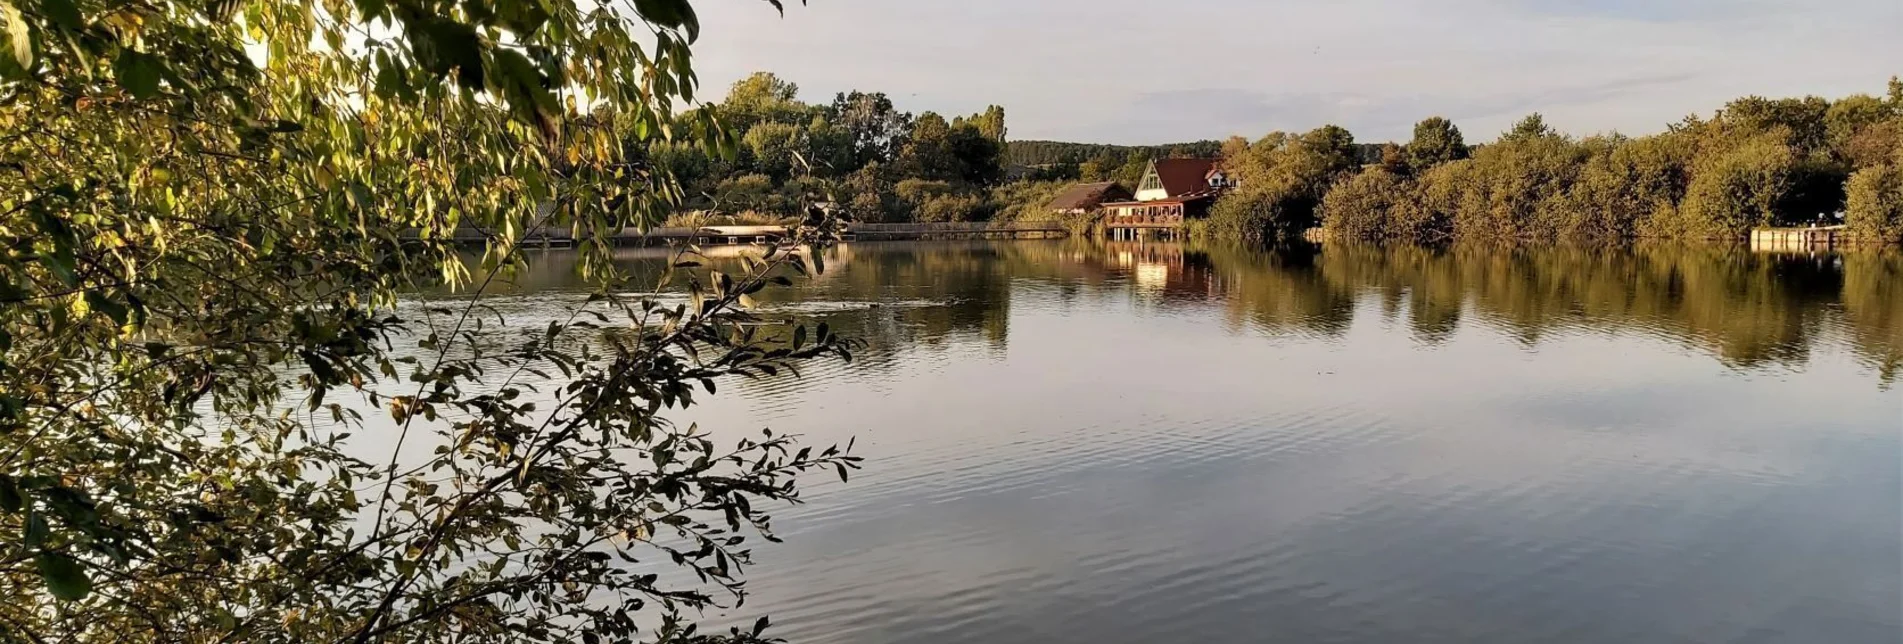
1085	443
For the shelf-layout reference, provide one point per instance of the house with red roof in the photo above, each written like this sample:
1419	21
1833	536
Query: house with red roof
1171	191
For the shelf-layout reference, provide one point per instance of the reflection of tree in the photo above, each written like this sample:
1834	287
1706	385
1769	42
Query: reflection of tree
1282	291
1873	308
1747	309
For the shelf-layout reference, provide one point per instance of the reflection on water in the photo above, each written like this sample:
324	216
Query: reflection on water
1073	442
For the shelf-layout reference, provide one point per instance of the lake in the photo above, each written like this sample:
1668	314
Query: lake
1091	443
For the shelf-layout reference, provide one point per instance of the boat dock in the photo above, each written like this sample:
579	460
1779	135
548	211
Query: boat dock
1797	239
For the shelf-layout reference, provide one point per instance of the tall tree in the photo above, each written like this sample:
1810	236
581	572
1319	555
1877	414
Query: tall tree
1532	127
762	98
1436	141
990	123
877	128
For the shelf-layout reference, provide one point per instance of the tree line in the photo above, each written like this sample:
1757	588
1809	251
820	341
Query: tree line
885	165
1755	162
880	163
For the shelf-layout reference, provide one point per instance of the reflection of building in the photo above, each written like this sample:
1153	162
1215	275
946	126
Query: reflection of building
1166	269
1172	191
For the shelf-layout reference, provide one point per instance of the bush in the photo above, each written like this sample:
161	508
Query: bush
1734	190
1257	211
1436	197
1623	185
1874	208
1516	186
749	192
1365	206
952	207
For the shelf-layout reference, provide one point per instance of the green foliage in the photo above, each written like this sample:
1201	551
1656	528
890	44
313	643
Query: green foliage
1367	206
853	145
750	192
1283	179
1875	209
213	272
876	129
1516	183
763	98
1436	141
1257	211
1625	187
1737	189
1758	162
1532	127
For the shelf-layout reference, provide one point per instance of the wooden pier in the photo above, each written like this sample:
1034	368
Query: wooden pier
1797	239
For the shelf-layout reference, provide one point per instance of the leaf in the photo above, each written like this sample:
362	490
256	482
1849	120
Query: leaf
111	308
138	73
63	12
759	626
34	532
441	44
10	498
670	13
64	577
521	85
19	37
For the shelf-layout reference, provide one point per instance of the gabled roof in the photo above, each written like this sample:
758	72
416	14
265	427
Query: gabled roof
1085	196
1185	176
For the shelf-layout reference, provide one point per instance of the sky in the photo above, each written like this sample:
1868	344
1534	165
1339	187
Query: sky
1161	71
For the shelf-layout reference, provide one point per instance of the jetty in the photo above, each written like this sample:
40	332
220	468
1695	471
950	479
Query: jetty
1797	239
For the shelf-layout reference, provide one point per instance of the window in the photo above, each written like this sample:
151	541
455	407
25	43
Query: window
1151	182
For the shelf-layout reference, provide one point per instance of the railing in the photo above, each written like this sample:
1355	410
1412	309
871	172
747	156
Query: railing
1143	221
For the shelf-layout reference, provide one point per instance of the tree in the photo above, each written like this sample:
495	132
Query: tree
979	157
1740	188
748	193
1283	180
1365	206
990	124
1531	127
779	149
1875	205
830	147
1394	159
926	153
1436	141
202	255
877	129
762	98
868	195
1803	119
